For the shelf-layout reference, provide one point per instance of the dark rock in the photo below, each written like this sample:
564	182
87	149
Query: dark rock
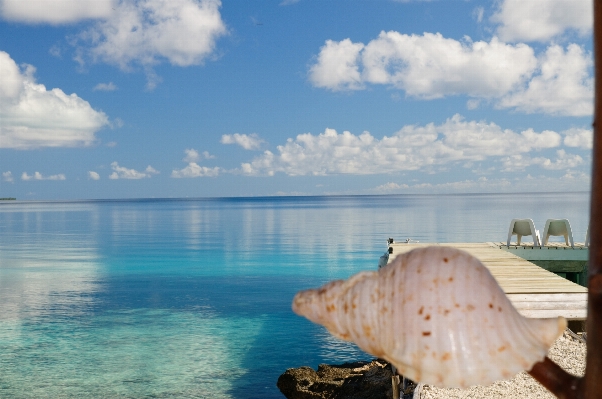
359	380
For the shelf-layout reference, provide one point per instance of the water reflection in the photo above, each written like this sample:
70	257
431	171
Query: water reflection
46	262
192	298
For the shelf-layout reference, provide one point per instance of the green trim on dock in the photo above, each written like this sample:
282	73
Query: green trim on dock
565	261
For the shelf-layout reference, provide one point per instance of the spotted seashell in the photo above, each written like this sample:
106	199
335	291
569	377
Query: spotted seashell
435	313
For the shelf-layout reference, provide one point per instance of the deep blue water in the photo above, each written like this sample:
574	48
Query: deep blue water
191	298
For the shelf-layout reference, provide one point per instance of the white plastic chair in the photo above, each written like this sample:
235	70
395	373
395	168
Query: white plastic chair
558	227
523	227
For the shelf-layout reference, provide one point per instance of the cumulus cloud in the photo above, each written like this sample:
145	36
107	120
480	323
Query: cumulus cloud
540	21
336	67
570	181
431	66
34	117
55	12
563	161
148	32
8	177
425	66
194	170
562	85
455	141
581	138
105	87
390	186
192	155
248	142
120	172
93	175
39	176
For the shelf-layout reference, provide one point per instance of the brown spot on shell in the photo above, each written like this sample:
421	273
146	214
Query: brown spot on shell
499	308
491	306
446	312
426	333
421	310
367	330
501	348
450	279
446	356
445	260
470	307
427	317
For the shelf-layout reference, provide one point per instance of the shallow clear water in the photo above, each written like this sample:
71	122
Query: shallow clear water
191	298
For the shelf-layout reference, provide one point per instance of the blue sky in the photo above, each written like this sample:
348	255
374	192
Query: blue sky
194	98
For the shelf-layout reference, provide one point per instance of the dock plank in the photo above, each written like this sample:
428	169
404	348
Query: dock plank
534	291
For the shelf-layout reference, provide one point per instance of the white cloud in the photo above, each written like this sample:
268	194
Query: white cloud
563	161
105	87
570	181
337	67
478	13
192	155
411	148
54	12
120	172
39	176
563	84
248	142
34	117
7	177
425	66
147	32
581	138
541	21
151	171
93	175
390	186
429	66
194	170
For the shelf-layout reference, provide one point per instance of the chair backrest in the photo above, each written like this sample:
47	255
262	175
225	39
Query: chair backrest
557	228
522	227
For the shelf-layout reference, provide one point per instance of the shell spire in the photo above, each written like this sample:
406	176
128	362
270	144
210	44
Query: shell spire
437	314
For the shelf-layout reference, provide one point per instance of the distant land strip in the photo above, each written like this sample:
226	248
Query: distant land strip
8	199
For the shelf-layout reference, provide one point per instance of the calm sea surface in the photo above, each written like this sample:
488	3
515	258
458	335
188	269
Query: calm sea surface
191	298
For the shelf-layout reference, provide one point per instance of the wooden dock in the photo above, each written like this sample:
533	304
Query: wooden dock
534	291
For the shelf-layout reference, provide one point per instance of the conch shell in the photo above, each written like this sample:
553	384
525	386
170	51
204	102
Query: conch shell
435	313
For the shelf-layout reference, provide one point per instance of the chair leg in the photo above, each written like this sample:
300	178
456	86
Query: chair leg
518	237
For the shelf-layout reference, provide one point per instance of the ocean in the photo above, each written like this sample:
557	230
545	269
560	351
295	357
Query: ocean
190	298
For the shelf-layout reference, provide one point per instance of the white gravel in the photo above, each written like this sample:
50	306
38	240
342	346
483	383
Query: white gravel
567	352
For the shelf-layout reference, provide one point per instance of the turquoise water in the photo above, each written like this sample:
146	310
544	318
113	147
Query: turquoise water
191	298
